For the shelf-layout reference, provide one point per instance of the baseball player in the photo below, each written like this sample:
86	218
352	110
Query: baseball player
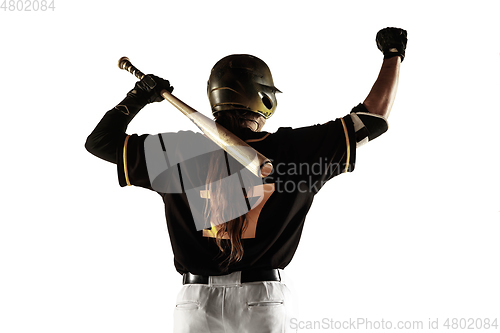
231	232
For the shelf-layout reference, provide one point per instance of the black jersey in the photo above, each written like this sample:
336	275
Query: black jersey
303	160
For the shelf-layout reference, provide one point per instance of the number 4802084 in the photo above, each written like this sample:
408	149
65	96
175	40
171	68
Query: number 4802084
27	5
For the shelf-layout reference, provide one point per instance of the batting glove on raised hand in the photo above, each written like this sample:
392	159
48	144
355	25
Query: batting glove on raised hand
392	42
148	90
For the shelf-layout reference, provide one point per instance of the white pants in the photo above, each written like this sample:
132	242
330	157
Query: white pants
225	305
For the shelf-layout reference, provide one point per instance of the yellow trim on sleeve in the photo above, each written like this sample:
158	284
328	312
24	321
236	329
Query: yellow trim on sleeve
125	168
347	145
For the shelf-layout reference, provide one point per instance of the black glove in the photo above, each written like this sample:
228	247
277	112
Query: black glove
149	88
392	42
145	91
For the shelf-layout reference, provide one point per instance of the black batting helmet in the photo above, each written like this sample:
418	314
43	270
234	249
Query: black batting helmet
242	82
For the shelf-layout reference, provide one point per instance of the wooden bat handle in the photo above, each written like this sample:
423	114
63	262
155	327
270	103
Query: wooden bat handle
124	63
254	161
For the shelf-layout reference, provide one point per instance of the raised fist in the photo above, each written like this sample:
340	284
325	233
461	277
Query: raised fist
392	42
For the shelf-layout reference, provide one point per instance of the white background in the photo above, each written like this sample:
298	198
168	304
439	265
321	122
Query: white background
412	234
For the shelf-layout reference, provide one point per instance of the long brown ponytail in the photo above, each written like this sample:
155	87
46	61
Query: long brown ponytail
220	212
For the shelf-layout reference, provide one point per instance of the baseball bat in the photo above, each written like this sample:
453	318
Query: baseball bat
254	161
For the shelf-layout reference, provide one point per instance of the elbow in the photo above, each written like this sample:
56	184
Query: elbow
98	141
381	109
90	145
100	148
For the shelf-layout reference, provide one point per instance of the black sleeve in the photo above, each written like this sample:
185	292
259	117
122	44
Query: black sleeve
320	152
131	161
161	162
108	135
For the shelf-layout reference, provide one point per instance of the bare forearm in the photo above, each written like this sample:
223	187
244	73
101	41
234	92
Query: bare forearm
381	97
